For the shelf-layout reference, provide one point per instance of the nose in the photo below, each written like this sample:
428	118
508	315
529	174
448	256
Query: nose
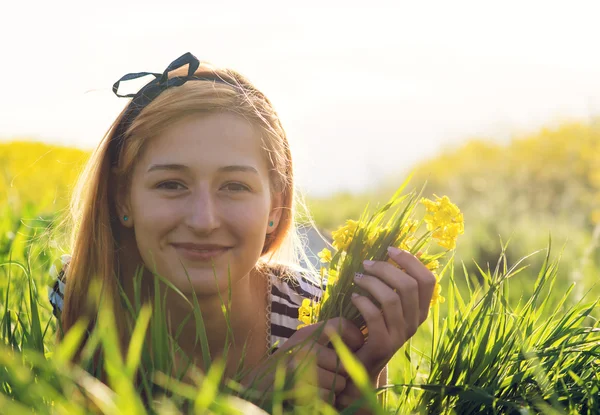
202	213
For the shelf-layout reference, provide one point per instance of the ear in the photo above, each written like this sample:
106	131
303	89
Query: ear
123	206
276	210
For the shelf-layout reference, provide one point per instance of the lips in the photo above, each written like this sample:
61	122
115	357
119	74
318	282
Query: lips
199	247
201	252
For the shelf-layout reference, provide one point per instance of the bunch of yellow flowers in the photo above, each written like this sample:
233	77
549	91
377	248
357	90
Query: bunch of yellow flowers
444	220
369	237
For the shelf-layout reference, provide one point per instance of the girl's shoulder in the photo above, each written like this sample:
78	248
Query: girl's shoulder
296	282
56	292
291	285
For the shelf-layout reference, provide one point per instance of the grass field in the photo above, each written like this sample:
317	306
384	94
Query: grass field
518	332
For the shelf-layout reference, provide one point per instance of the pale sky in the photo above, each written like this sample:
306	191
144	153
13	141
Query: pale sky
364	89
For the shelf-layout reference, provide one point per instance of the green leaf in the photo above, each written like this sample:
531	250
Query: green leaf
138	338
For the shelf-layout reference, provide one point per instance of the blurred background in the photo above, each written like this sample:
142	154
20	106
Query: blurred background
494	105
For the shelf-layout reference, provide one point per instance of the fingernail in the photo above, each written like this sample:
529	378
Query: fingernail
394	251
358	276
354	295
368	263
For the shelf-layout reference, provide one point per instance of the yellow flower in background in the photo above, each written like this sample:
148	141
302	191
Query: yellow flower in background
39	175
596	216
445	221
325	255
343	236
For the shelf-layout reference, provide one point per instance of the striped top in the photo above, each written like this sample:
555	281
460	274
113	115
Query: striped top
290	287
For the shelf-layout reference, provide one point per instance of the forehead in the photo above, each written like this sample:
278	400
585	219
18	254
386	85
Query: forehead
207	141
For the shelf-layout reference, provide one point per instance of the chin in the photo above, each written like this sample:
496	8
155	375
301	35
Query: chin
203	282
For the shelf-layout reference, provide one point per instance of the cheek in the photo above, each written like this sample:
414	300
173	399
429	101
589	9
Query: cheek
151	215
249	219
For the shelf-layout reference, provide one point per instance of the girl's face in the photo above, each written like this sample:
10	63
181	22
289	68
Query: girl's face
200	195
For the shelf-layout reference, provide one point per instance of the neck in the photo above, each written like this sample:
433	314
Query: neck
244	326
245	322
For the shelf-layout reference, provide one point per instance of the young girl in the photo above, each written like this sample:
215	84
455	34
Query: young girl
194	180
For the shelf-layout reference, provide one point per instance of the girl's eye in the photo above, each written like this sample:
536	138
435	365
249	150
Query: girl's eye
236	187
170	186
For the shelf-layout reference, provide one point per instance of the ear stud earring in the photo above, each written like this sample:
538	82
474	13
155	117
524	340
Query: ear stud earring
125	218
271	223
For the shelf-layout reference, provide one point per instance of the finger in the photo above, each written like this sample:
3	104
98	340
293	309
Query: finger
424	277
327	395
330	380
345	400
397	295
349	396
378	333
305	394
329	360
348	332
324	358
307	373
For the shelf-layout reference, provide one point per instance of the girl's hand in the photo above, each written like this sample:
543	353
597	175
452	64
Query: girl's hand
330	373
405	296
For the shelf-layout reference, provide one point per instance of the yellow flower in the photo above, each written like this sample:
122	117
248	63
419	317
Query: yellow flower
305	322
445	221
376	233
404	246
407	235
410	226
322	272
433	265
325	255
343	236
437	295
305	309
332	276
308	312
325	297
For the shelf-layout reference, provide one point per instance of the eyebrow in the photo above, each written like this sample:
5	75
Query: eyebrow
181	167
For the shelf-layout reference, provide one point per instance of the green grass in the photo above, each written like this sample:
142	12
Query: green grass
518	332
485	350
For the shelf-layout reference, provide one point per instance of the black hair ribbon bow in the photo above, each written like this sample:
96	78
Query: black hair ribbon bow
150	91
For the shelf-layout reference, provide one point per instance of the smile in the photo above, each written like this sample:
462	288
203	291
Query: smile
202	255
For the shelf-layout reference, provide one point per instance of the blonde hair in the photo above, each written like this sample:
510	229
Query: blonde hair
95	226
